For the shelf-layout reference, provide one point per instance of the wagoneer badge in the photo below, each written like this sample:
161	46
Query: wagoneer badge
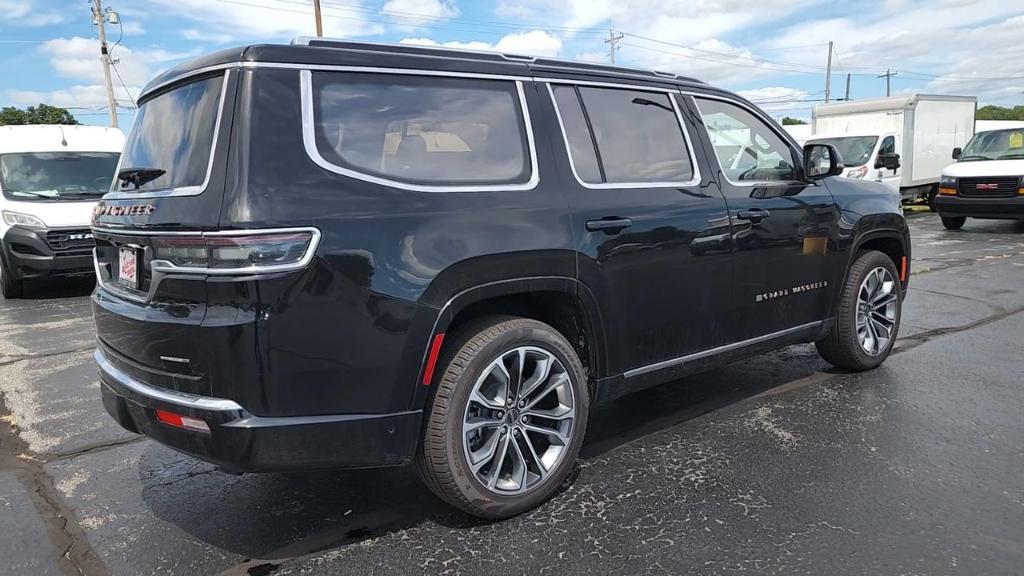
116	210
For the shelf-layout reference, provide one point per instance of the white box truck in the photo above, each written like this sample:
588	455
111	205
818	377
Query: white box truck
902	141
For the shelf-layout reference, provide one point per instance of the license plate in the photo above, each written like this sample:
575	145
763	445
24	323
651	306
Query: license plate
128	272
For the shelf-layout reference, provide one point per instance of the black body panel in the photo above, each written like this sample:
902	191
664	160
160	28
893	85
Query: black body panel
337	349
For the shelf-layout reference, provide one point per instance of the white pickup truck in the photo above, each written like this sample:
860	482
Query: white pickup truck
986	181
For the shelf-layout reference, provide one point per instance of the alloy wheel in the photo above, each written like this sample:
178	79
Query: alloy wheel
519	420
876	310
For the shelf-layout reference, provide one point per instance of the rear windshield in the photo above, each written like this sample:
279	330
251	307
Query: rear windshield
172	138
421	130
854	150
54	176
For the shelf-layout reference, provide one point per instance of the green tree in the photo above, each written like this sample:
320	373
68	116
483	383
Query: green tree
992	112
9	115
41	114
787	121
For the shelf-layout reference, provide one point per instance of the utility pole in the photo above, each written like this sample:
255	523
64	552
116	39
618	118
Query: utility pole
847	97
98	17
319	20
613	44
828	74
888	76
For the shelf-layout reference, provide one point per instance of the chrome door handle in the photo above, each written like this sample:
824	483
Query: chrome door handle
755	215
609	225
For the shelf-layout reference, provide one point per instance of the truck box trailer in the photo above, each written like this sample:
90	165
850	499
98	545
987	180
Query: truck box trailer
905	141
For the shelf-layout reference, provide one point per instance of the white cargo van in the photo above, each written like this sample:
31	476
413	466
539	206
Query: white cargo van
51	177
901	141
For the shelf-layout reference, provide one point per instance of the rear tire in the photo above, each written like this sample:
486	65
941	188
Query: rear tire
10	287
868	313
472	426
932	193
953	222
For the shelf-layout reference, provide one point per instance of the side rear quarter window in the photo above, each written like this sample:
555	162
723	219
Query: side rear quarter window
620	136
421	130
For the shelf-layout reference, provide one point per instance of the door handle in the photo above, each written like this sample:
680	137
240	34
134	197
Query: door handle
609	225
754	215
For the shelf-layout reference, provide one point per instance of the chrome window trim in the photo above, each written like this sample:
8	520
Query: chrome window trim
757	114
600	84
182	190
719	350
693	181
309	142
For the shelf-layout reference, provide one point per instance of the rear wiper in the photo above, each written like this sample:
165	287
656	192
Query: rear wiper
139	176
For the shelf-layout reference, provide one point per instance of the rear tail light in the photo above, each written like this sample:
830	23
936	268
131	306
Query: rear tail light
182	421
231	252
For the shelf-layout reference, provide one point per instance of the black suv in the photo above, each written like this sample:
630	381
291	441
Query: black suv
335	254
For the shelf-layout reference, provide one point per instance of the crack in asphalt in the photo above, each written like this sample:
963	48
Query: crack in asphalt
8	360
93	448
76	555
923	337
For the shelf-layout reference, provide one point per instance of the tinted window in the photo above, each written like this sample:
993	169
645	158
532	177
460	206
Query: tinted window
174	133
57	175
746	147
581	145
421	130
638	136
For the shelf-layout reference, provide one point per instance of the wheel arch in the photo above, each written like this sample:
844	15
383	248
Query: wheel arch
562	302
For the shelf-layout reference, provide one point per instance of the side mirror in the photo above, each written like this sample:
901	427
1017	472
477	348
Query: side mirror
821	161
957	152
888	161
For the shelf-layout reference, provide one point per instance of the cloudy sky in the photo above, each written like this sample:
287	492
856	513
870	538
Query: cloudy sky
772	51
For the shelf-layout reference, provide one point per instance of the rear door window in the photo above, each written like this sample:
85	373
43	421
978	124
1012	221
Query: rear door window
172	138
421	130
619	136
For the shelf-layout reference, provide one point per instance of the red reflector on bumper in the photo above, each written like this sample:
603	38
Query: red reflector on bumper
179	421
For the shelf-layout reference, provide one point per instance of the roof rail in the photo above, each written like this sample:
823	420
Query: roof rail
488	54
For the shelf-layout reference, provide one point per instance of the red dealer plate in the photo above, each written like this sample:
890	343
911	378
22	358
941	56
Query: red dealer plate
128	273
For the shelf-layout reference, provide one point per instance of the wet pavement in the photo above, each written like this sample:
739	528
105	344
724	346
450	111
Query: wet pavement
775	465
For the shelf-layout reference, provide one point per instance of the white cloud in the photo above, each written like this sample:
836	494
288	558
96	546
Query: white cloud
267	19
76	97
206	36
532	43
777	98
419	12
27	13
79	58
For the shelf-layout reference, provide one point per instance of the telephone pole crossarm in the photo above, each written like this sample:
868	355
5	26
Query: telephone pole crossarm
613	44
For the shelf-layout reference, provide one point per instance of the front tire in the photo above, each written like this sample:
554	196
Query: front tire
953	222
867	319
507	417
10	287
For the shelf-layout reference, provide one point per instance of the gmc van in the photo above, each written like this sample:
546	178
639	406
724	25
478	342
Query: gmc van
986	181
336	254
51	178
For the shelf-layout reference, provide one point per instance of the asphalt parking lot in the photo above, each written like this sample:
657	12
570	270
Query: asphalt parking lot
776	465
